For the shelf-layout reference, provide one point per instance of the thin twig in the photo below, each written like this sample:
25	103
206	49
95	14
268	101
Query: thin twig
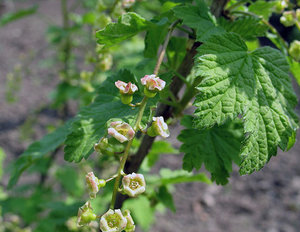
164	48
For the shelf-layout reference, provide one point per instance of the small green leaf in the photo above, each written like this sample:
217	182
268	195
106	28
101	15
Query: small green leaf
10	17
128	25
37	150
216	148
165	197
255	84
262	8
181	176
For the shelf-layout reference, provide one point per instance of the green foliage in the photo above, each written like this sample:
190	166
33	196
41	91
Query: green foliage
169	177
141	210
2	157
37	150
158	148
155	36
90	123
127	26
262	8
166	198
199	17
254	84
249	28
216	148
10	17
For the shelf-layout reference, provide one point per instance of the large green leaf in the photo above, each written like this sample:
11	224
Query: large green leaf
127	26
216	148
37	150
255	84
89	126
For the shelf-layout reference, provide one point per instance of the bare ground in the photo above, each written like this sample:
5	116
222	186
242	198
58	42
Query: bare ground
267	201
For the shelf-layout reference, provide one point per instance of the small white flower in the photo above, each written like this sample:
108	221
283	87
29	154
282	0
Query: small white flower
153	83
134	184
158	127
121	131
126	88
113	221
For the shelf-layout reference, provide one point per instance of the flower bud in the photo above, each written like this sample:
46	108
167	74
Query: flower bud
158	127
127	3
280	6
133	184
126	91
287	18
92	182
113	221
104	147
130	227
294	50
85	214
121	131
152	84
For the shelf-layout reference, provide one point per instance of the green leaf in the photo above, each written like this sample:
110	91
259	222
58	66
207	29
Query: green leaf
141	211
37	150
262	8
155	36
249	28
199	18
158	148
70	180
176	51
90	124
255	84
128	25
216	148
181	176
165	197
295	69
2	157
10	17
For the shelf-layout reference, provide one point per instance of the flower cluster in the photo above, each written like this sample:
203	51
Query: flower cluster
119	132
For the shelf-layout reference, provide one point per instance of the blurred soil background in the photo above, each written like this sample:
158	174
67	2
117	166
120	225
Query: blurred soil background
266	201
